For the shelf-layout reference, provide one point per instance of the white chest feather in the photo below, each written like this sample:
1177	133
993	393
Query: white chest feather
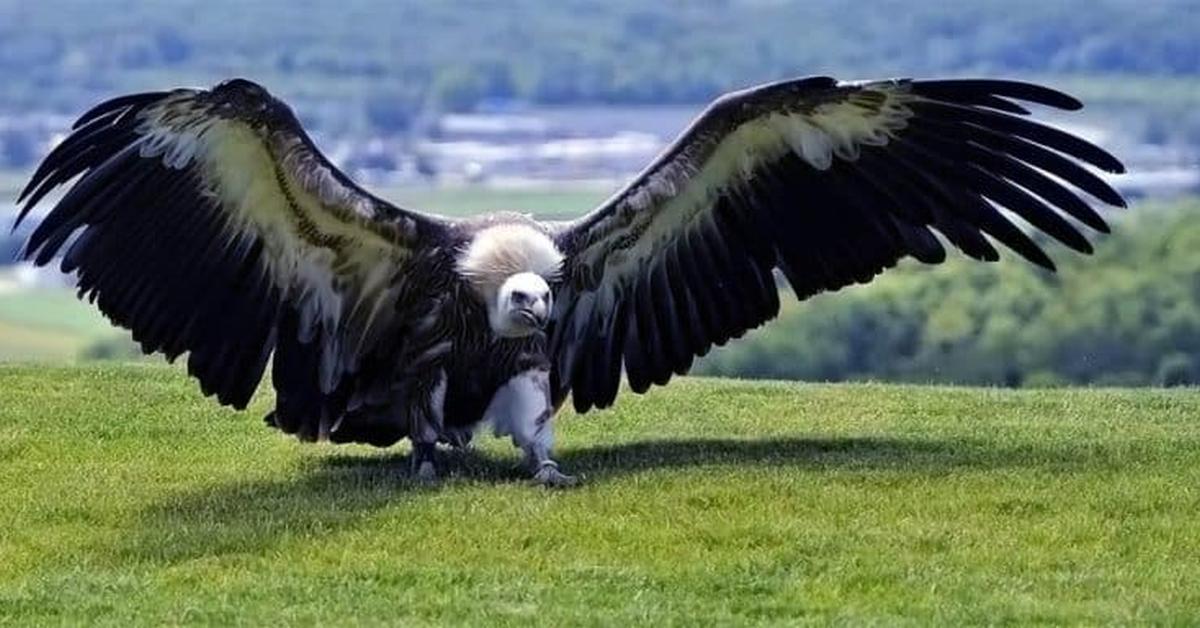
521	408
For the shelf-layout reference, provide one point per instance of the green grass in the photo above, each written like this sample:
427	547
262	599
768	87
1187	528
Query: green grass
51	309
129	497
48	325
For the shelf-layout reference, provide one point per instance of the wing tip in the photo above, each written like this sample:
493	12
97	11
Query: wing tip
1042	261
24	193
1019	90
241	85
138	100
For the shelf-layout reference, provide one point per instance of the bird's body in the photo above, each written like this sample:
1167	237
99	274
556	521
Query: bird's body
208	223
453	372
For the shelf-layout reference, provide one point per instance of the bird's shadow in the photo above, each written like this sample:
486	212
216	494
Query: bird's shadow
335	492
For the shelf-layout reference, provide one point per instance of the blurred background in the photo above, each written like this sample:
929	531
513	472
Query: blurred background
547	107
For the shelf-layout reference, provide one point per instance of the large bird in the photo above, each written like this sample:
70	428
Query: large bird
208	223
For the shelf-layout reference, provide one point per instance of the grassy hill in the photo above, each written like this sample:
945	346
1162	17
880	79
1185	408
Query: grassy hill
48	325
128	496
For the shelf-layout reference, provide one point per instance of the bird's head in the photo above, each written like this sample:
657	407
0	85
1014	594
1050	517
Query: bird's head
522	306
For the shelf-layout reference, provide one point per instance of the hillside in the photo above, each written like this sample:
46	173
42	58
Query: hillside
360	69
1128	315
129	496
404	54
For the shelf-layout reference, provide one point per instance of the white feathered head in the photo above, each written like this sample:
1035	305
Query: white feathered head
510	267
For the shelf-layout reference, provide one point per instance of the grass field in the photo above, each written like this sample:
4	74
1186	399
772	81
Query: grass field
128	497
48	325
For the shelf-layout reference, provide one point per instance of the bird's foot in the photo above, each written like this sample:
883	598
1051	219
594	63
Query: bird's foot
426	473
423	468
548	475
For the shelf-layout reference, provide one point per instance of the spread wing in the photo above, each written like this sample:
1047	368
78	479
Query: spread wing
205	221
829	182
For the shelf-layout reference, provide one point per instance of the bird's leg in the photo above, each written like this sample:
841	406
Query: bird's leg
536	440
423	467
521	409
545	469
426	423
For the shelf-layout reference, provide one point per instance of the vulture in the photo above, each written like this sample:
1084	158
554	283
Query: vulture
208	223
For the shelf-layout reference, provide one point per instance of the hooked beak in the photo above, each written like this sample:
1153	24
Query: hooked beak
537	318
535	314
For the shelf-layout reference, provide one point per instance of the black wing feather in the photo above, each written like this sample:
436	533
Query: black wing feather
160	237
740	194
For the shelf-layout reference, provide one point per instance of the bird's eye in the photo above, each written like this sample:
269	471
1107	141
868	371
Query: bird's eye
519	297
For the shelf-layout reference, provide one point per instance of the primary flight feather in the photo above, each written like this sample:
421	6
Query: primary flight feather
208	223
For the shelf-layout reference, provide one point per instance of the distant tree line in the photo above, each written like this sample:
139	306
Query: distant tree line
11	242
363	68
1128	315
456	55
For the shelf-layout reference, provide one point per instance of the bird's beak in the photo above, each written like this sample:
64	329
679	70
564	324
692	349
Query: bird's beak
535	318
536	315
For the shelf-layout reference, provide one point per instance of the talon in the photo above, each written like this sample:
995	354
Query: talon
422	461
549	476
426	472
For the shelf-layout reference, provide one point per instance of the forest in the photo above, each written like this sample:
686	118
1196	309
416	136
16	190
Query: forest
1127	315
396	58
